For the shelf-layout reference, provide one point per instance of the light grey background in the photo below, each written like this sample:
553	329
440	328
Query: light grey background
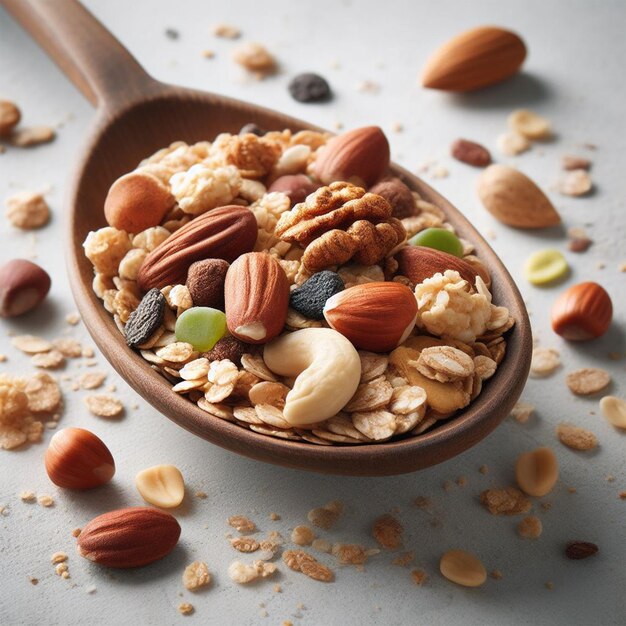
574	76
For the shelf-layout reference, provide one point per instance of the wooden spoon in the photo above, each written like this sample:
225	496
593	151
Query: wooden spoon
135	116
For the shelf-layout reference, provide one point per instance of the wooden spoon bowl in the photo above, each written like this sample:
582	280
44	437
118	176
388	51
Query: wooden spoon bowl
137	116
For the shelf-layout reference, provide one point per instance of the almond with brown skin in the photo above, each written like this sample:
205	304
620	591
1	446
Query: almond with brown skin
513	199
360	156
129	537
256	296
418	263
471	153
476	58
223	233
577	550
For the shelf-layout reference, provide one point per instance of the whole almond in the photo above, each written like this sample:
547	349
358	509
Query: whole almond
223	233
577	550
129	537
418	263
360	156
513	199
374	316
23	286
256	296
476	58
471	153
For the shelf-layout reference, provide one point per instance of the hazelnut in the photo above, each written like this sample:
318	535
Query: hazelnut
582	312
205	281
137	201
399	197
9	117
78	459
23	286
296	186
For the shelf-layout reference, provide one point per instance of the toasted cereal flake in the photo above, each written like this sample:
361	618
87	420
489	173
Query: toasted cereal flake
407	399
370	396
30	344
177	352
58	557
522	412
72	318
268	393
322	545
45	500
255	364
301	561
576	438
377	425
196	576
404	559
588	380
323	517
243	573
529	124
226	31
575	183
27	210
184	608
48	360
302	536
530	527
545	361
444	363
245	544
614	409
242	524
43	393
68	347
372	365
28	496
196	369
484	366
512	143
91	380
352	553
32	136
104	405
223	372
508	501
255	58
419	577
388	531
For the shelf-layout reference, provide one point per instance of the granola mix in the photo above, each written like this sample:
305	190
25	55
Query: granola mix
317	227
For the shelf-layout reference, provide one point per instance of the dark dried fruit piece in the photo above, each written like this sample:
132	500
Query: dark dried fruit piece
309	87
252	128
309	299
399	196
471	153
205	281
579	244
577	550
230	348
145	319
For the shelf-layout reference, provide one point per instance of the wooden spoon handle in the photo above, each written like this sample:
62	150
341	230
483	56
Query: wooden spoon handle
88	54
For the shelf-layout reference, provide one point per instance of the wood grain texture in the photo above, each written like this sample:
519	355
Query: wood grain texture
136	116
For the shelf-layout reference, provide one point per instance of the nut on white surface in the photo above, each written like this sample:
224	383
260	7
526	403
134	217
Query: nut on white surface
161	485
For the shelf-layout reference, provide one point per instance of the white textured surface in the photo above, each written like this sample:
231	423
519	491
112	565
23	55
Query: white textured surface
574	76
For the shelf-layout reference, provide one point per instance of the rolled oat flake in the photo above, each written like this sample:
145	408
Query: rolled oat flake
309	87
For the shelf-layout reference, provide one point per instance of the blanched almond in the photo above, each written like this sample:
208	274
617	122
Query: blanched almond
161	485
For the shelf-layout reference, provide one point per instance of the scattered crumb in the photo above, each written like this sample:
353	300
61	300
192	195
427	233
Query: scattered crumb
404	559
196	575
549	585
447	485
28	496
274	517
508	501
546	506
326	516
610	478
185	608
45	500
104	405
33	581
576	438
397	127
277	589
419	577
422	502
483	469
33	136
322	545
91	380
522	412
530	527
368	86
90	589
388	532
226	31
242	524
72	318
572	490
208	54
302	536
58	557
461	481
201	495
496	574
622	495
76	532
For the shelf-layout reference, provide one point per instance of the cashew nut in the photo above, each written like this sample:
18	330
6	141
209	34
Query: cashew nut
328	370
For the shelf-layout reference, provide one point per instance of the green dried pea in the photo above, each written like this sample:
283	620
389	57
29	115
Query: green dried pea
439	239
